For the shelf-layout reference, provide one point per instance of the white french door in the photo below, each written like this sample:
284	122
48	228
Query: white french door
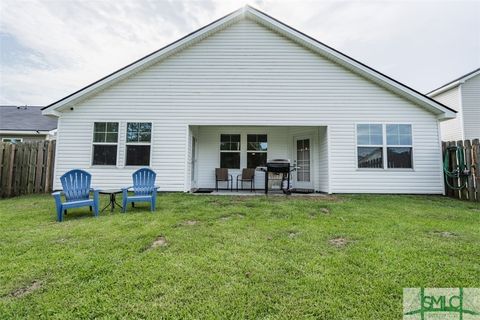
303	155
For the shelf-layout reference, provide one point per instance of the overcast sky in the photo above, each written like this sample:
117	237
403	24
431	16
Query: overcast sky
52	48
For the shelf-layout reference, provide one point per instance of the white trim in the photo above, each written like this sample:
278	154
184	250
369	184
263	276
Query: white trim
460	110
55	160
452	85
384	147
239	151
125	143
12	138
303	136
249	12
254	151
329	166
440	159
20	132
186	184
104	143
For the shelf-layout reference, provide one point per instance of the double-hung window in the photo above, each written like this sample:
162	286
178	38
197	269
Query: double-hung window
12	140
370	145
257	147
230	151
399	146
139	138
105	143
384	146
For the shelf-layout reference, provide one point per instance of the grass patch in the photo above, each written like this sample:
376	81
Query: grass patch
343	257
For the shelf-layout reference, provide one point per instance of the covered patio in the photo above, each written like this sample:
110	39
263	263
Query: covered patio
240	147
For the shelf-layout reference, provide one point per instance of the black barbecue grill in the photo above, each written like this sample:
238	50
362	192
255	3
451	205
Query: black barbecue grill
278	169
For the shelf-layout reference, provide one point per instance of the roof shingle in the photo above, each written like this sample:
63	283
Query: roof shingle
25	118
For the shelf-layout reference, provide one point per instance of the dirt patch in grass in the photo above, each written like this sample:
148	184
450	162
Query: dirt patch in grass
190	222
60	240
445	234
322	211
316	198
293	234
339	242
26	290
160	241
233	215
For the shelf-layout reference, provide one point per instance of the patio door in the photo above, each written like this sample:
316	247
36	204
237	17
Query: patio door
303	176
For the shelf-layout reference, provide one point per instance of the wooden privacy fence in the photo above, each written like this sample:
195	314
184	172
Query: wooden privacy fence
463	156
26	168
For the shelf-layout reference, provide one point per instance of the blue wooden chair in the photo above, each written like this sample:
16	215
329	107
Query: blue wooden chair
76	188
144	189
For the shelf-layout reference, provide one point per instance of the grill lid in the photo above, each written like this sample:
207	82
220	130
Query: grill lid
278	163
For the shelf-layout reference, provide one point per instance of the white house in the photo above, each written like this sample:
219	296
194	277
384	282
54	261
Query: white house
463	96
244	89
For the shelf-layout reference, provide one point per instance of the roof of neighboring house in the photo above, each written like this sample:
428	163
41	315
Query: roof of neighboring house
272	23
25	118
454	83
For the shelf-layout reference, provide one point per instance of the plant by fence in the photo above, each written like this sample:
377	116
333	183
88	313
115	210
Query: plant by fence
26	168
462	166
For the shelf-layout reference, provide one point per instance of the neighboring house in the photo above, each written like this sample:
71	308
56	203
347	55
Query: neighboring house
25	124
462	95
244	89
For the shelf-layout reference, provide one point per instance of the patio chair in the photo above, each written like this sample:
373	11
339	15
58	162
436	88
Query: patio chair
248	175
222	175
76	188
144	189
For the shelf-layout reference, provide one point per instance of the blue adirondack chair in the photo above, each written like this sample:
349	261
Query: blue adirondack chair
144	189
76	188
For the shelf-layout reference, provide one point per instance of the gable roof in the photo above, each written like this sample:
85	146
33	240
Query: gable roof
248	12
25	118
454	83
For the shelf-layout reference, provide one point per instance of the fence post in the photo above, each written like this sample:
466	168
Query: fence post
39	167
463	192
468	161
48	167
476	164
3	163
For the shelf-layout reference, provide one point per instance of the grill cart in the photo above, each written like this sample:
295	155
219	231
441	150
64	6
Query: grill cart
278	170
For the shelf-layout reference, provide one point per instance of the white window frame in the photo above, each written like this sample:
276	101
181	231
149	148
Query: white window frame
254	151
398	145
239	151
104	143
138	144
370	145
384	147
12	138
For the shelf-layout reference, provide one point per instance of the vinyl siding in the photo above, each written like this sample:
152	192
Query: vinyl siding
247	75
452	129
471	107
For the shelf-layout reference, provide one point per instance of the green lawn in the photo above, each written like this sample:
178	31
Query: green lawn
234	257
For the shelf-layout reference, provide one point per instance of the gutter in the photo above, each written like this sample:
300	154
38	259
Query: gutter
32	132
446	88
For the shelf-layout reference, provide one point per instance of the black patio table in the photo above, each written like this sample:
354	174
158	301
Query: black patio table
113	202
